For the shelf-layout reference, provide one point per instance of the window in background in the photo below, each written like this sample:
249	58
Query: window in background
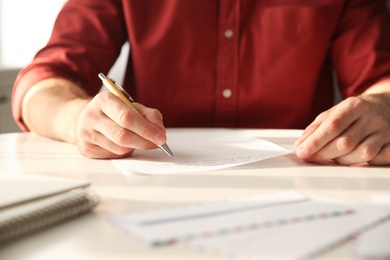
23	31
25	26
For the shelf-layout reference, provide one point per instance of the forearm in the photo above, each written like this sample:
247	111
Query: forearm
51	108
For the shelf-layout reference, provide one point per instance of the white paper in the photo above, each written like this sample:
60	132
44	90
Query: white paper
375	243
199	150
162	226
273	226
202	210
189	222
302	240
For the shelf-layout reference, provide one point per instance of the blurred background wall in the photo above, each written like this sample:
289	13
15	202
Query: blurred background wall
25	27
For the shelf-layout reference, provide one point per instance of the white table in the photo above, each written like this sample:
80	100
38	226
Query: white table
92	237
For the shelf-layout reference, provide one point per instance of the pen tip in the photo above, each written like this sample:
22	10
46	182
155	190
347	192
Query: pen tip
166	149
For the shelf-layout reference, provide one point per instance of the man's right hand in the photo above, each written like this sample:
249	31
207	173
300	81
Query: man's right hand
101	127
108	128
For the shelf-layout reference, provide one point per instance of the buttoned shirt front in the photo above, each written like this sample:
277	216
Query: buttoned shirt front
228	63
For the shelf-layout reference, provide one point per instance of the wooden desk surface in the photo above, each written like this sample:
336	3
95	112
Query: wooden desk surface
92	237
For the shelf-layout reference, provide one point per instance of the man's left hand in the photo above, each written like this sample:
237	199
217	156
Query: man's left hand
355	131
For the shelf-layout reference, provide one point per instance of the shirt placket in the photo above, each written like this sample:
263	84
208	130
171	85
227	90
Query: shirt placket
227	64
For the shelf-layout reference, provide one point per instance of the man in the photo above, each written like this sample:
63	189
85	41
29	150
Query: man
230	63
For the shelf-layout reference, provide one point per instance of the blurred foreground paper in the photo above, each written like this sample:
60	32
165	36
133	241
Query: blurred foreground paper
284	225
374	244
201	150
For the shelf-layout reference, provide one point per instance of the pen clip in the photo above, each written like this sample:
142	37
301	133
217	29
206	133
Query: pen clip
124	92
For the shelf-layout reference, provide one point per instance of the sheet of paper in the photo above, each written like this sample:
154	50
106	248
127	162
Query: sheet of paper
200	150
274	226
302	240
192	222
375	243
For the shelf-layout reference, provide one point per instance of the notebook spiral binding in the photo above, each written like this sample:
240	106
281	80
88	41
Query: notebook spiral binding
73	205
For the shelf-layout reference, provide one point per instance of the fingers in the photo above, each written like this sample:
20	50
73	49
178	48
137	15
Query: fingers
324	129
133	120
344	143
352	132
383	157
108	128
121	137
101	148
312	127
152	115
365	151
108	140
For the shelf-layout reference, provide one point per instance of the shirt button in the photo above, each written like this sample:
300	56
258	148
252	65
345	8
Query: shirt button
228	33
227	93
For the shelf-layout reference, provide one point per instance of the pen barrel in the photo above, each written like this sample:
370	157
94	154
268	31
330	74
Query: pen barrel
114	90
128	101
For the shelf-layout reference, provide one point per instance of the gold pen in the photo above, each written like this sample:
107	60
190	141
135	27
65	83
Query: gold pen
120	92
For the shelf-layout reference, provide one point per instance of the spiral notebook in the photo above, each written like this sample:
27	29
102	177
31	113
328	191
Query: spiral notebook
29	203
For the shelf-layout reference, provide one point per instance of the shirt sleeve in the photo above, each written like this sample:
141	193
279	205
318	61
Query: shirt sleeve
361	46
86	39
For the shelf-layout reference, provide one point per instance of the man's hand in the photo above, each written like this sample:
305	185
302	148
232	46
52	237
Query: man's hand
355	131
102	127
108	128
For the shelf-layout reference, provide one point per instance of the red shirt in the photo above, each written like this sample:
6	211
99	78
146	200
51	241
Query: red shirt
230	63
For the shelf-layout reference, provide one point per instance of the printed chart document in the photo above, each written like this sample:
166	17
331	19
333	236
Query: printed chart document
201	150
180	224
299	240
374	244
285	225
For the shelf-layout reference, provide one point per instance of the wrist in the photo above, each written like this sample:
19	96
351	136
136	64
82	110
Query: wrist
51	108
